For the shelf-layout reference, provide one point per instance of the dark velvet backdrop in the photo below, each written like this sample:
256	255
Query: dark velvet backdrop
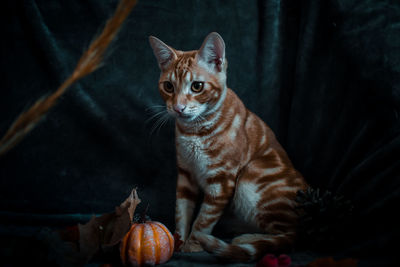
325	75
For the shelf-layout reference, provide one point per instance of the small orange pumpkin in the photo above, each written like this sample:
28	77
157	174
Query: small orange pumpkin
147	243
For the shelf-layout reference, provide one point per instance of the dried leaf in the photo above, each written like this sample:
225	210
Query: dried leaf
116	229
130	203
76	245
107	230
89	237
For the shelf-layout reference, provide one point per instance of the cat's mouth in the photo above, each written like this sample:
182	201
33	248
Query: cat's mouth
184	116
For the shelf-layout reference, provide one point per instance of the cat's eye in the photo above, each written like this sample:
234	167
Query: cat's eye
168	87
197	87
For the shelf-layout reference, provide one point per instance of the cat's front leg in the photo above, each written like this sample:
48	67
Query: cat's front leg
217	195
186	196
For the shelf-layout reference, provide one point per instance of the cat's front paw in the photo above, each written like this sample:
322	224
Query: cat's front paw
191	245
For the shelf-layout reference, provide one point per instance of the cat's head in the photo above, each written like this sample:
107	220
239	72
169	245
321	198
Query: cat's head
192	83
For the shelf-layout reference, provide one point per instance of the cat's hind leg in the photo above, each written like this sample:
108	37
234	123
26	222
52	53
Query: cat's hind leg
263	197
265	194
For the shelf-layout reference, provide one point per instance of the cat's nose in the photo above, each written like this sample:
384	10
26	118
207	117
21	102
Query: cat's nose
179	108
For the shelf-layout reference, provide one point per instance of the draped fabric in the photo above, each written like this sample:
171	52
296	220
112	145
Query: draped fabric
324	75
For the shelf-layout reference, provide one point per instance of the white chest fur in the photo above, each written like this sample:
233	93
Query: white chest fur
192	156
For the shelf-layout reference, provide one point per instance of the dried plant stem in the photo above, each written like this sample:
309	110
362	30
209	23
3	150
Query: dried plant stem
89	62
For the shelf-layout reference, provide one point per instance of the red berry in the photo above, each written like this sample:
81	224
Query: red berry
268	260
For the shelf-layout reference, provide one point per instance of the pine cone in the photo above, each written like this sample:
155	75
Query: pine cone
323	216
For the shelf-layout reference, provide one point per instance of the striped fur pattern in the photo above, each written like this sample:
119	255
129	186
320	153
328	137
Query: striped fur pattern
226	152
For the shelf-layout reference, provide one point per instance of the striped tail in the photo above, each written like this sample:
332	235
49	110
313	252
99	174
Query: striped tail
247	247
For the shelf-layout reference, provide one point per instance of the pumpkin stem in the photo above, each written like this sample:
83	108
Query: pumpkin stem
143	218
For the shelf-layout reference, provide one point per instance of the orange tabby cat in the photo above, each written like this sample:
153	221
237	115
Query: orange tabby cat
226	152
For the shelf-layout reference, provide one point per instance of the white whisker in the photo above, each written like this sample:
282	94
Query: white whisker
160	122
157	114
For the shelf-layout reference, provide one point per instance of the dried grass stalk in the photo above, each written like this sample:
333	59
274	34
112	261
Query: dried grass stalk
89	62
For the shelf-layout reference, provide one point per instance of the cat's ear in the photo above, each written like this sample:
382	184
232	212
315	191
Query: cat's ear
164	54
212	52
